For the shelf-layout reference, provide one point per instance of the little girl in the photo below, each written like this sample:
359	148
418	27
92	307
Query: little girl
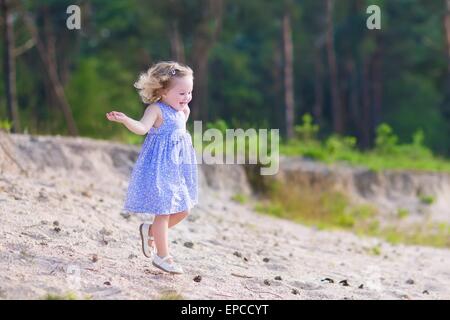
164	178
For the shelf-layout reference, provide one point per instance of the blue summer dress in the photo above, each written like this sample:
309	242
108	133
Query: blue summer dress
164	177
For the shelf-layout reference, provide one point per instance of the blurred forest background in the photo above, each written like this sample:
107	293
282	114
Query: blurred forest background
311	68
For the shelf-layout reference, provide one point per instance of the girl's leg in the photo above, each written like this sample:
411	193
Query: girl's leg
173	220
160	232
177	217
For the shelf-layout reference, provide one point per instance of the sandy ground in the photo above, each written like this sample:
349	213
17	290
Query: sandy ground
61	231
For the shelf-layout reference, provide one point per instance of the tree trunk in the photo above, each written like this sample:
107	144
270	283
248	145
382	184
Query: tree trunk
176	42
277	119
10	66
377	82
366	104
48	56
447	31
446	107
318	88
175	11
288	74
200	97
353	99
338	123
204	38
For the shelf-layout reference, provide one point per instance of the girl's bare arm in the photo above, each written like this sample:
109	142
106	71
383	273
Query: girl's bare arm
187	111
140	127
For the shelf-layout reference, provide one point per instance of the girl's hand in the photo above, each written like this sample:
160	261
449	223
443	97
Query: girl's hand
116	116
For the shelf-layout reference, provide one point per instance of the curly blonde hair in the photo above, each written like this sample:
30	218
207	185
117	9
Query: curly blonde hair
152	84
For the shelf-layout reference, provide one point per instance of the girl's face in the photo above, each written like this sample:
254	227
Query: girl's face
180	93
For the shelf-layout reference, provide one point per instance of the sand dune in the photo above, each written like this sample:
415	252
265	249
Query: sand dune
62	233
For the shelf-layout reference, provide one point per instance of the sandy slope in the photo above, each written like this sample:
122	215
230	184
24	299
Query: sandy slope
61	231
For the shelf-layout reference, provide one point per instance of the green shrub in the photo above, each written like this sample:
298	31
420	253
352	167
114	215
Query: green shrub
402	213
240	198
376	250
307	131
386	140
274	209
337	146
426	199
5	125
387	154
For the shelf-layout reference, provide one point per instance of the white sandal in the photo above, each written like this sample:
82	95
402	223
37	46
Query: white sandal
148	251
161	263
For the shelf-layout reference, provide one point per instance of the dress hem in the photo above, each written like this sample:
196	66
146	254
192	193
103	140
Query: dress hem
147	212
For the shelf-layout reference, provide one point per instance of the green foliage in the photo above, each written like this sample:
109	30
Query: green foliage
5	125
375	250
322	208
105	87
402	213
431	234
307	131
415	104
418	138
336	146
426	199
386	140
387	154
275	209
240	198
245	77
327	209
